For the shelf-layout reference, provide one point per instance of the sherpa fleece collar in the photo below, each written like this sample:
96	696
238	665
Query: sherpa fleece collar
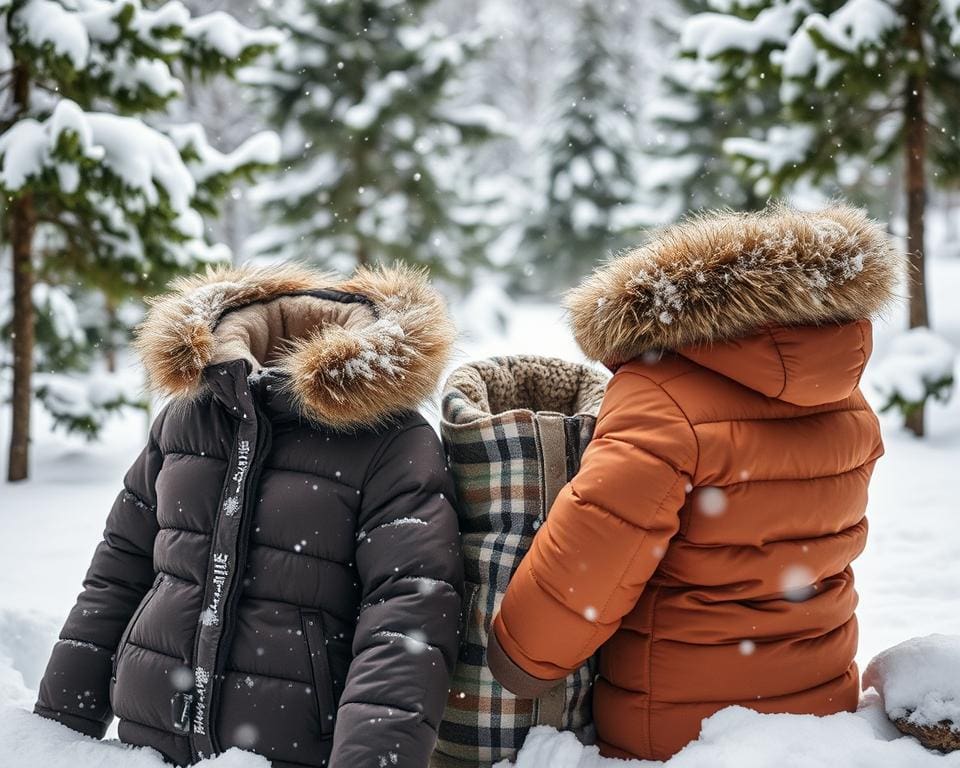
359	373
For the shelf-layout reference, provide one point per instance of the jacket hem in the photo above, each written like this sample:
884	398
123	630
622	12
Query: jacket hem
93	728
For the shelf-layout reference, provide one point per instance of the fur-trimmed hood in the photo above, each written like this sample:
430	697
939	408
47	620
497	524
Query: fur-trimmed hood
724	276
353	352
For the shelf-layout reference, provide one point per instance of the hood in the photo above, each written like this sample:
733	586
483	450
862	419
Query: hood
803	365
351	352
726	276
477	391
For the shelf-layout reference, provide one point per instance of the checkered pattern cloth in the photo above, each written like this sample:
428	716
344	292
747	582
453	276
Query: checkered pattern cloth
498	462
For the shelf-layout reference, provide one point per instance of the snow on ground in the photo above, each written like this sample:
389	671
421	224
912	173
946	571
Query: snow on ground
741	738
27	741
907	578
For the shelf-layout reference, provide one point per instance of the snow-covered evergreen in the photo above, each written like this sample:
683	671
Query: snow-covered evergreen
685	168
104	196
589	205
866	88
774	47
840	70
227	108
128	192
364	96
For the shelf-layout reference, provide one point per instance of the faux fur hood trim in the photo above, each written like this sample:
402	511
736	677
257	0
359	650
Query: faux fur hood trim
726	275
345	377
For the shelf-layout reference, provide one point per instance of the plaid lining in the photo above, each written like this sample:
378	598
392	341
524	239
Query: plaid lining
497	465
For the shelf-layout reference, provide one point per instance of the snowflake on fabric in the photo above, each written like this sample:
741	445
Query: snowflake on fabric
231	506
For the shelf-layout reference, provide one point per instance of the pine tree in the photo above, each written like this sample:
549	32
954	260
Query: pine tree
97	200
362	91
590	184
685	160
228	109
862	84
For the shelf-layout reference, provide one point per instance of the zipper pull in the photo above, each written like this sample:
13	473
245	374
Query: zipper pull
181	709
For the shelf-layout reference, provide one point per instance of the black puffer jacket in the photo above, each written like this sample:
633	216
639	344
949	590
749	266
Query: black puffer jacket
282	570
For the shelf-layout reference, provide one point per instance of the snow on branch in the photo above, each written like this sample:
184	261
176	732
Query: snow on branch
221	32
205	161
783	146
710	35
919	365
47	24
821	44
144	159
82	403
120	47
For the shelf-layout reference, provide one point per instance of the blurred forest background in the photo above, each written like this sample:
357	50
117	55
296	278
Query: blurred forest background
506	145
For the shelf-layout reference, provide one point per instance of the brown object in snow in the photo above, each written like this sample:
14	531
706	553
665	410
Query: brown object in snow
943	737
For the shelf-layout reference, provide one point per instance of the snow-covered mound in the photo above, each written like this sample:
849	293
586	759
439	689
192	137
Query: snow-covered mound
28	741
733	738
919	681
26	637
13	691
741	738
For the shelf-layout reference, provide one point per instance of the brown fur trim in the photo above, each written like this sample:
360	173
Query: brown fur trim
343	377
725	275
359	377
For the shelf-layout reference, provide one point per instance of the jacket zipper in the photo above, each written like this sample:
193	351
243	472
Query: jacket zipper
242	546
224	573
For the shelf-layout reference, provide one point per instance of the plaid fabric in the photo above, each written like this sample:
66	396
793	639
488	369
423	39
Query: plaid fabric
497	461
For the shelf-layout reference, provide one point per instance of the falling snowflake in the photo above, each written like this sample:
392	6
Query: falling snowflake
246	735
231	506
182	678
798	583
711	502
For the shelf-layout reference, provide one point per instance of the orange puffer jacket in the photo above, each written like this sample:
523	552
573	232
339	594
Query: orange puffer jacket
706	542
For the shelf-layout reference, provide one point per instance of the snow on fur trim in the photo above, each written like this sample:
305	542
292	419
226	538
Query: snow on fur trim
724	275
345	376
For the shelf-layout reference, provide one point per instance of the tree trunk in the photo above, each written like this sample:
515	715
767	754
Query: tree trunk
22	225
110	339
915	148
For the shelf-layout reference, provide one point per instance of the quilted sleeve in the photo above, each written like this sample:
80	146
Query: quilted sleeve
405	646
602	541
